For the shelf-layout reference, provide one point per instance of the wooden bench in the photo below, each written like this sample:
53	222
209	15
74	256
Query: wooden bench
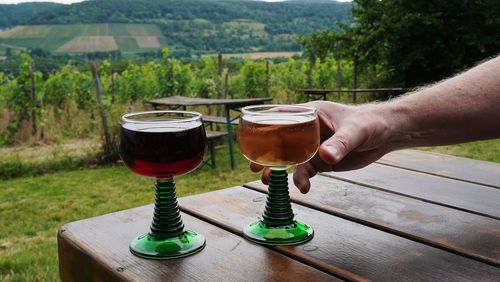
213	136
388	92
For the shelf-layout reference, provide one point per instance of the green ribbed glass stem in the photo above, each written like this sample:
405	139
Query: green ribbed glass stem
278	210
167	222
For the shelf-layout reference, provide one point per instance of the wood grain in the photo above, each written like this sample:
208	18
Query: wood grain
468	170
456	194
96	249
346	248
468	234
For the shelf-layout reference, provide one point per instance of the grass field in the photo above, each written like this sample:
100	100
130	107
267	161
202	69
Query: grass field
488	150
244	26
76	38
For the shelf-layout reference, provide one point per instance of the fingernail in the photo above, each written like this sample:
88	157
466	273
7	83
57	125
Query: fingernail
333	152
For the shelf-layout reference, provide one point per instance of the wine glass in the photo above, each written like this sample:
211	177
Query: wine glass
164	144
278	136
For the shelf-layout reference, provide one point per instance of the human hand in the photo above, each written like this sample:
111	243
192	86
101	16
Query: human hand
351	137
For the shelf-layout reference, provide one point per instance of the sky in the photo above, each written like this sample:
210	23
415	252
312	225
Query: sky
74	1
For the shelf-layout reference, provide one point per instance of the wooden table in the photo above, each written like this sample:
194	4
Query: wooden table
412	216
183	102
323	92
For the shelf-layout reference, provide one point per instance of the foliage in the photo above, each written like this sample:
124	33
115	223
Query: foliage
254	79
174	78
68	106
18	98
409	43
425	41
11	15
278	17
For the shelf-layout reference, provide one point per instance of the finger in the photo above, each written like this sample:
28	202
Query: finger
301	177
334	149
255	167
265	175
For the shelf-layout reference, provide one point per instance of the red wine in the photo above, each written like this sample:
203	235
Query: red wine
162	150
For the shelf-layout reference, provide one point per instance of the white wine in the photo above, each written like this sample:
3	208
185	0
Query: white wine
278	141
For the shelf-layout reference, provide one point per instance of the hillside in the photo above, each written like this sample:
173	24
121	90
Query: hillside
79	38
188	27
11	15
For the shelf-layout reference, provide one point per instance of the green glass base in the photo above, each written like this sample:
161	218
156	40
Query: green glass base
293	234
186	244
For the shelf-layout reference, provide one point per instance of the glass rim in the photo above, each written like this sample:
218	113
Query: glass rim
310	110
195	116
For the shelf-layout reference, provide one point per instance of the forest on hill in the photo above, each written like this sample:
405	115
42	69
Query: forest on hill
14	14
300	17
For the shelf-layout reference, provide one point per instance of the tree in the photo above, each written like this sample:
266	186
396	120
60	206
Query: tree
408	43
423	41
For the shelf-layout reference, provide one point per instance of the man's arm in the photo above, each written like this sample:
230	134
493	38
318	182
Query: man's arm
459	109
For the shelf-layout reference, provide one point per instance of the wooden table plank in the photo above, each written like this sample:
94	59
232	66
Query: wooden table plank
469	170
444	191
194	101
96	249
344	247
471	235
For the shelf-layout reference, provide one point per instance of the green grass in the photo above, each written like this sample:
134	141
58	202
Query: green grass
488	150
33	208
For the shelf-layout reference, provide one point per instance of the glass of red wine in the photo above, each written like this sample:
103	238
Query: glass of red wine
164	144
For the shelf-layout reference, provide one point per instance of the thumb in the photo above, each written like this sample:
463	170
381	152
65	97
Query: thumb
334	149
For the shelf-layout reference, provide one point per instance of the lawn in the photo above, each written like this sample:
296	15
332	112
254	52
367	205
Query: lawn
33	208
488	150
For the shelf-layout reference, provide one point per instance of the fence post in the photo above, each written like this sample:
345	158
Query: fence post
33	98
102	112
218	80
338	79
226	89
355	78
267	79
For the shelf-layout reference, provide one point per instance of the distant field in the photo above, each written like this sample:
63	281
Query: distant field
242	27
258	55
77	38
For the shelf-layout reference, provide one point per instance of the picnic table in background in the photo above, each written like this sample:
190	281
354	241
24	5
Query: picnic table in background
315	93
182	102
411	216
